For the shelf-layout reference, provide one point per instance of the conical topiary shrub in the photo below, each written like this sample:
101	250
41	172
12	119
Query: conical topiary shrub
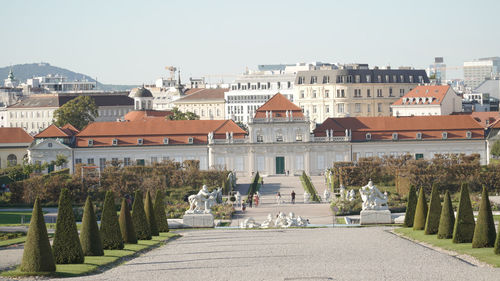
90	237
420	212
463	231
484	232
447	219
126	225
150	215
497	244
434	213
37	254
139	218
66	245
111	235
160	214
410	207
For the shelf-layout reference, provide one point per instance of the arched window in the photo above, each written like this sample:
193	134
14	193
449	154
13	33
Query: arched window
11	160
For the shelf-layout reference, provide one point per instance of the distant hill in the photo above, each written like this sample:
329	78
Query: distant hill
30	70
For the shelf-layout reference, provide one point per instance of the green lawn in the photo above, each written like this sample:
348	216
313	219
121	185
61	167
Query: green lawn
340	220
12	218
110	258
483	254
13	241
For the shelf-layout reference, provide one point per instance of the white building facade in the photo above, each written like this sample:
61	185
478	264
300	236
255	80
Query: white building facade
476	71
428	100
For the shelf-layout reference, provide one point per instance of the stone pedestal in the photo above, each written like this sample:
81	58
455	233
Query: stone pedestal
198	220
375	217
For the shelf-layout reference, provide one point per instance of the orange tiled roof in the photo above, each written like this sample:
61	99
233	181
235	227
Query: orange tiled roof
278	104
141	114
14	135
199	94
69	129
424	95
154	130
486	119
53	131
381	128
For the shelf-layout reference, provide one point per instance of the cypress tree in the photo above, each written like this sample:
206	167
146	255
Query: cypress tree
90	237
484	232
150	215
410	207
420	212
159	210
66	245
434	213
447	220
497	244
463	230
37	254
139	218
110	228
126	225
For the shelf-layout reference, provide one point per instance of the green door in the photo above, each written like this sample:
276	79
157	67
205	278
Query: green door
280	165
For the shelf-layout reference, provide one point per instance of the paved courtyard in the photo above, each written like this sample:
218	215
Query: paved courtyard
369	253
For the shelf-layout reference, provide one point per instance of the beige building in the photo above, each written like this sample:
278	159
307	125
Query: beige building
209	104
14	143
353	90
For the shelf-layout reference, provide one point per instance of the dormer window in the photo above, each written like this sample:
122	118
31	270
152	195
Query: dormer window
190	140
394	136
140	141
165	140
419	136
115	142
368	136
468	134
90	142
444	135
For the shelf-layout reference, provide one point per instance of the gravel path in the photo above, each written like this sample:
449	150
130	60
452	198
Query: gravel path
369	253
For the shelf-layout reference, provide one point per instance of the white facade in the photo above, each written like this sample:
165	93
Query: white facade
449	103
479	70
57	83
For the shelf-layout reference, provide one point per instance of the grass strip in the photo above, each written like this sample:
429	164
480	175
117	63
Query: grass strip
93	265
485	255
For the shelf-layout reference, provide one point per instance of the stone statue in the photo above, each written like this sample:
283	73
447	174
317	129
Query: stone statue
238	198
281	220
326	195
249	223
351	195
342	192
302	222
307	197
203	201
372	198
267	222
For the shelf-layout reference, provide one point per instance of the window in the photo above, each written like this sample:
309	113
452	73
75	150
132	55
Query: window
90	142
190	140
368	78
379	107
444	135
165	140
90	161
298	137
368	154
379	78
369	108
140	141
114	162
299	162
357	93
368	136
314	94
379	93
301	80
11	160
115	142
140	162
357	79
394	136
314	79
340	108
327	108
368	94
342	93
419	136
327	93
468	134
401	92
357	107
49	144
314	109
260	138
279	138
154	159
302	94
326	79
126	161
419	156
390	92
102	163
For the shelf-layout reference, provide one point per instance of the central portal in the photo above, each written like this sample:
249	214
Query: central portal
280	165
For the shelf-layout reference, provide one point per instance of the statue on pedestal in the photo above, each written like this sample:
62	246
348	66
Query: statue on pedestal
372	198
326	195
202	202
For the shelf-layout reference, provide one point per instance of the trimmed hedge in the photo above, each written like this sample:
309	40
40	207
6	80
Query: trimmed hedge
309	187
90	237
126	225
434	213
150	215
463	230
421	211
66	245
37	254
139	218
484	232
159	210
411	206
447	219
254	185
110	228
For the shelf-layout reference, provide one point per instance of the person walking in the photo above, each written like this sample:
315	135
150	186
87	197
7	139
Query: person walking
293	197
278	198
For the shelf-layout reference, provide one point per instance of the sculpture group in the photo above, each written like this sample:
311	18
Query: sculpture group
282	221
374	208
203	202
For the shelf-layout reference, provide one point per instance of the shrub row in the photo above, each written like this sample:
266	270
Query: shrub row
309	187
254	184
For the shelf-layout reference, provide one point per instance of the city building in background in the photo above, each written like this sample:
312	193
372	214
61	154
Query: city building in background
437	71
208	104
476	71
428	100
58	83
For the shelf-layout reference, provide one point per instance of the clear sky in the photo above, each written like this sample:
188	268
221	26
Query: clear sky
130	42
